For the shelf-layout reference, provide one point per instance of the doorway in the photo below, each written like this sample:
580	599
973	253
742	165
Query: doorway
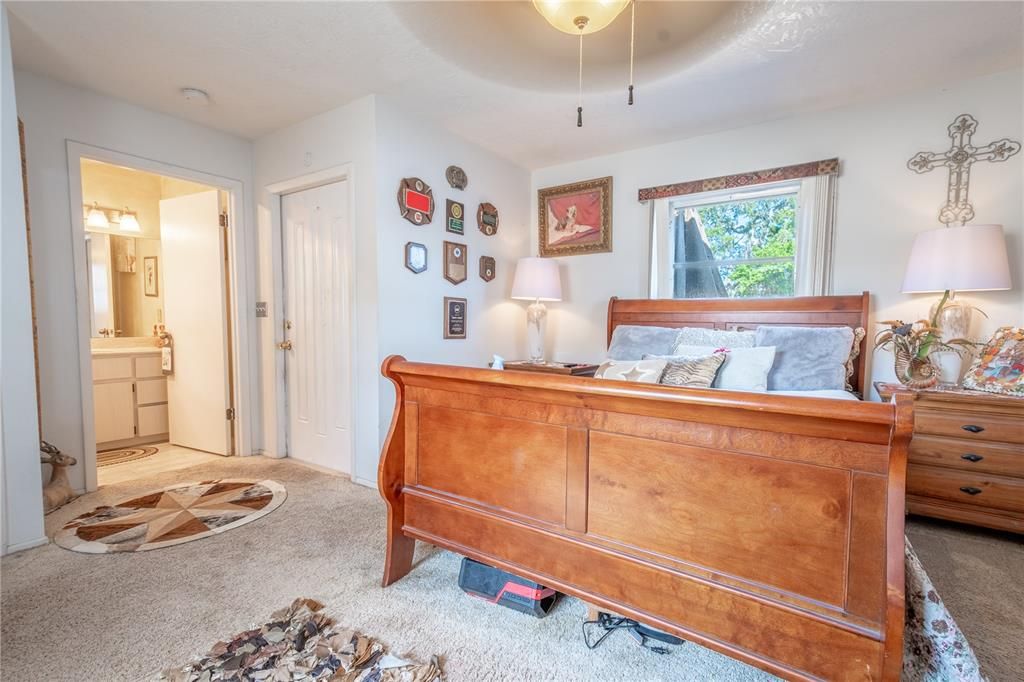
316	344
157	308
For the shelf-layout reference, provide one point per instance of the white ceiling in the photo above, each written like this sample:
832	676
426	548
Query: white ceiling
498	75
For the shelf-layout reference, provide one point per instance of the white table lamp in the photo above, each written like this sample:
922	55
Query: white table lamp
952	259
536	280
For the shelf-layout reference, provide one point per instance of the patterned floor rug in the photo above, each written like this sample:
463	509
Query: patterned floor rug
301	643
177	514
122	455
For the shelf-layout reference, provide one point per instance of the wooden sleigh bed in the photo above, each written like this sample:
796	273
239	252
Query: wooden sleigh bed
766	527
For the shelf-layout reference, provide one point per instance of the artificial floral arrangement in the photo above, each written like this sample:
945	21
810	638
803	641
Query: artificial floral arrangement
912	344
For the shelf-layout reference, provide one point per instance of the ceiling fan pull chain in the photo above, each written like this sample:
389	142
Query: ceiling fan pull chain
579	101
632	47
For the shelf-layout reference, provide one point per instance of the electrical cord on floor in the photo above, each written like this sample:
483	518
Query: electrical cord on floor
610	624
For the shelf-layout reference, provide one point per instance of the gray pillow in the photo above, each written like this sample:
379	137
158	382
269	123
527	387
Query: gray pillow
807	358
631	342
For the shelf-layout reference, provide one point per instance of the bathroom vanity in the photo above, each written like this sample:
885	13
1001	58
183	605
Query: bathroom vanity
129	397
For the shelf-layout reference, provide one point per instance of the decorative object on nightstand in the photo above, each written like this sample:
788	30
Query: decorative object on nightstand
576	369
966	459
536	280
1000	367
951	259
912	345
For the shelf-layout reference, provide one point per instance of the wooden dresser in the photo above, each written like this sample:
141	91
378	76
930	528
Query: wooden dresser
966	459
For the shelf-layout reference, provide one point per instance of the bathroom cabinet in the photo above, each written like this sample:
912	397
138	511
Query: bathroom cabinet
129	398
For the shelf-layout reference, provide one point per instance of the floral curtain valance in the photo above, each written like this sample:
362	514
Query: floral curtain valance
761	177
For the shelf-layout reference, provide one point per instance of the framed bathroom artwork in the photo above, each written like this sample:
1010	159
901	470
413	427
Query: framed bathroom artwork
151	276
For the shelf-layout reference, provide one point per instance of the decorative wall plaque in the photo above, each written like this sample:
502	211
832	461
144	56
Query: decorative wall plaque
487	219
415	257
487	268
456	177
416	201
454	318
455	213
455	262
958	159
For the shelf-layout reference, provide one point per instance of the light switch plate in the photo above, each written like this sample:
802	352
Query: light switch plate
261	308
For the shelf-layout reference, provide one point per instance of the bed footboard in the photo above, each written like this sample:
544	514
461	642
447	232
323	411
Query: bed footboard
768	528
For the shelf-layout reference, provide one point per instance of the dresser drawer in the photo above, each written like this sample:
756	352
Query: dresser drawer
969	425
999	492
968	455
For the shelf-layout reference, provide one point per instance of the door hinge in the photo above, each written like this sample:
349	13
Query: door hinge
133	388
229	413
135	430
223	219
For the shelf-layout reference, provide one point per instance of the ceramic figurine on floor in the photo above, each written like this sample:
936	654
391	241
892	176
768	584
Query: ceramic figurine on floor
58	491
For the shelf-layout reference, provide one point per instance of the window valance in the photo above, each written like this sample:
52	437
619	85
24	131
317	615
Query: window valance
800	170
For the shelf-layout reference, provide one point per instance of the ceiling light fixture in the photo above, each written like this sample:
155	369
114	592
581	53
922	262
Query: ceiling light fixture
582	18
96	217
129	223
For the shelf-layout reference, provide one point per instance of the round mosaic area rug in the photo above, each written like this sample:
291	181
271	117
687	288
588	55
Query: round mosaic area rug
176	514
120	456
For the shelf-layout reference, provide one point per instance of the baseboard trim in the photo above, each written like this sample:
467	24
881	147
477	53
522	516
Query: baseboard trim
317	467
21	546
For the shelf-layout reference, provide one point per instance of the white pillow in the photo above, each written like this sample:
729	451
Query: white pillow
643	371
745	369
719	338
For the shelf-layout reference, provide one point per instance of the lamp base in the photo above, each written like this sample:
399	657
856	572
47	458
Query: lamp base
535	314
954	319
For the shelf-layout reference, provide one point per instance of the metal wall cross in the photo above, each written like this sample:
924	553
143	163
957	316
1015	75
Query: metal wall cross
959	159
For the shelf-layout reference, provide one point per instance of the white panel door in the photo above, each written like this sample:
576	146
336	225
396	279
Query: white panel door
317	264
195	313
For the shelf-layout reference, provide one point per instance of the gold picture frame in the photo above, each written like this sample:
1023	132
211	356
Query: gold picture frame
575	219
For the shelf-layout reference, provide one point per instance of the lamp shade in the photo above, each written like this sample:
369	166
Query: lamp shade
966	258
129	223
576	17
96	217
537	279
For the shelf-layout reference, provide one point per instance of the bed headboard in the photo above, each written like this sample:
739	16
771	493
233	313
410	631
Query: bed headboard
748	313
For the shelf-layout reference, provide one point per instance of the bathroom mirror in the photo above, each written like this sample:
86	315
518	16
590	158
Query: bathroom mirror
125	291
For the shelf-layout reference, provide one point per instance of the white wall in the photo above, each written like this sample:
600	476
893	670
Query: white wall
21	499
411	305
396	311
53	114
881	204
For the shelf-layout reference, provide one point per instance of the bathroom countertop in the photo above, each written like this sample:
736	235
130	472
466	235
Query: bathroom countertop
127	350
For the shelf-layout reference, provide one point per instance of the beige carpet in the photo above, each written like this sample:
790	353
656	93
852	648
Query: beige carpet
68	616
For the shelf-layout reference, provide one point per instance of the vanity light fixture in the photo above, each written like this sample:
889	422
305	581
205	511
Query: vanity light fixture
129	223
96	217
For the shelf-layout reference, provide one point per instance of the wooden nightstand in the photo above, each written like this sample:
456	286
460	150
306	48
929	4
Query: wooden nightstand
577	369
966	460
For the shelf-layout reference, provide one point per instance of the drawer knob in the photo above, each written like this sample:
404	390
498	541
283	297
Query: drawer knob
971	457
973	428
969	490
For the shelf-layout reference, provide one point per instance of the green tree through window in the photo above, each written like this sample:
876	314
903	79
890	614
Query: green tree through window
751	244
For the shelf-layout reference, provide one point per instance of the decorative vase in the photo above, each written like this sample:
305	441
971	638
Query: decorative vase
914	372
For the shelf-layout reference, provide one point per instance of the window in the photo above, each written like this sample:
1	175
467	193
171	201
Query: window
741	247
761	241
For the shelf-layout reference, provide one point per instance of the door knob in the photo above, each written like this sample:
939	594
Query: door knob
285	345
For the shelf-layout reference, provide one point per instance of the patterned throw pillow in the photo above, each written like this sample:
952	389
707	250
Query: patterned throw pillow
858	336
1000	367
696	373
719	338
643	371
744	369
